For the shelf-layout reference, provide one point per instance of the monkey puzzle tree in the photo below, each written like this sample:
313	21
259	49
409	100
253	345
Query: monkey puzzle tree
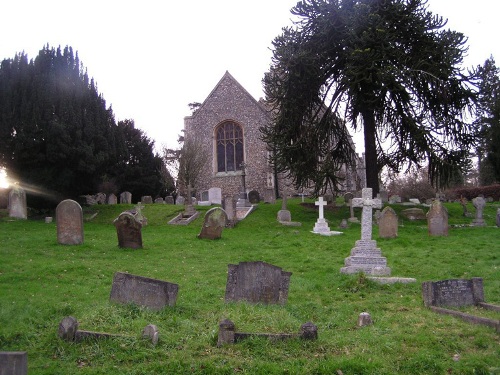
386	64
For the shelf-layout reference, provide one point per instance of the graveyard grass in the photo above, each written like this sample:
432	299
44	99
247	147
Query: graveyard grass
41	282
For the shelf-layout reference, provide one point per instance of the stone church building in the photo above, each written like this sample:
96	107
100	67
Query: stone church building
228	122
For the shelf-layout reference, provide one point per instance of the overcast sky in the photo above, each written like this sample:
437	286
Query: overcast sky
151	58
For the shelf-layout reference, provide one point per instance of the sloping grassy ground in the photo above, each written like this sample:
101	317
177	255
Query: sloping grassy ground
41	282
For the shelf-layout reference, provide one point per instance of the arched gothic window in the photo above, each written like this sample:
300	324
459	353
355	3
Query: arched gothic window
229	138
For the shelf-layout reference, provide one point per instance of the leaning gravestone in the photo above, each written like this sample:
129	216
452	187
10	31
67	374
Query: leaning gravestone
17	203
126	197
365	256
479	203
129	231
388	223
437	219
257	282
69	218
13	363
215	221
143	291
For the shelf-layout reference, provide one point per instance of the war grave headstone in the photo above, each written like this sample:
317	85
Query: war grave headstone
437	219
13	363
439	296
215	195
215	221
69	218
388	223
126	197
254	196
147	199
129	231
68	330
112	199
17	203
257	282
228	335
321	225
365	256
479	203
143	291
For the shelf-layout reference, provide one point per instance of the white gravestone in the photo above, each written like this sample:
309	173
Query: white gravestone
365	256
321	226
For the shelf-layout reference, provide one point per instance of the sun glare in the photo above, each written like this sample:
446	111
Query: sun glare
4	183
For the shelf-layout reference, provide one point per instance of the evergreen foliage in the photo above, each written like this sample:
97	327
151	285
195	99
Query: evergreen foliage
388	64
58	136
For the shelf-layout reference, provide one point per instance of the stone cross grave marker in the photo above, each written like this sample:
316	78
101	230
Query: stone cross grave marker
388	223
479	203
257	282
69	218
143	291
437	219
321	225
129	231
17	203
215	221
365	256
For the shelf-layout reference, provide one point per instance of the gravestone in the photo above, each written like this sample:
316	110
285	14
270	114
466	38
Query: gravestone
254	196
143	291
126	197
364	319
383	196
437	219
388	223
498	217
463	202
129	231
159	201
215	221
147	199
414	214
100	198
215	195
69	218
321	226
284	215
365	256
348	197
17	203
180	200
269	196
394	199
169	199
112	199
229	205
257	282
204	196
453	293
343	224
479	203
13	363
4	198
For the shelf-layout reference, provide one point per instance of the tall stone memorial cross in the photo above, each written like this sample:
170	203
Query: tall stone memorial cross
321	203
321	225
368	203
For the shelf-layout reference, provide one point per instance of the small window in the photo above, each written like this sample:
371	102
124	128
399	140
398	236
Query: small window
229	138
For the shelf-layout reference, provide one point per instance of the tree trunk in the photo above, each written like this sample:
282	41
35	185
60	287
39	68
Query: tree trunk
370	152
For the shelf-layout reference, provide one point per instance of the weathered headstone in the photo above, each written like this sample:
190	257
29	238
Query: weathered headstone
180	200
143	291
215	195
204	196
126	197
13	363
383	195
453	293
348	197
254	196
257	282
215	221
169	199
159	201
112	199
129	231
100	198
17	203
414	214
321	226
388	223
269	196
147	199
69	218
229	205
364	319
394	199
365	256
437	219
479	203
284	215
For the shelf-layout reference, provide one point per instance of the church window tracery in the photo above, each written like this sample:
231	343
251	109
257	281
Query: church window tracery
229	145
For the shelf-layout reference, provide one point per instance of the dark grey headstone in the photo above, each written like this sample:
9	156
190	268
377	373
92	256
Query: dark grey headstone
388	223
169	199
453	293
69	217
437	219
159	201
257	282
147	199
254	196
143	291
215	221
129	231
13	363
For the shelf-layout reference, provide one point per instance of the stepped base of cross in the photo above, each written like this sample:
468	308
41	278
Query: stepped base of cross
367	258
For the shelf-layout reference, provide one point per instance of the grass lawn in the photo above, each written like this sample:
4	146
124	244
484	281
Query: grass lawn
41	282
